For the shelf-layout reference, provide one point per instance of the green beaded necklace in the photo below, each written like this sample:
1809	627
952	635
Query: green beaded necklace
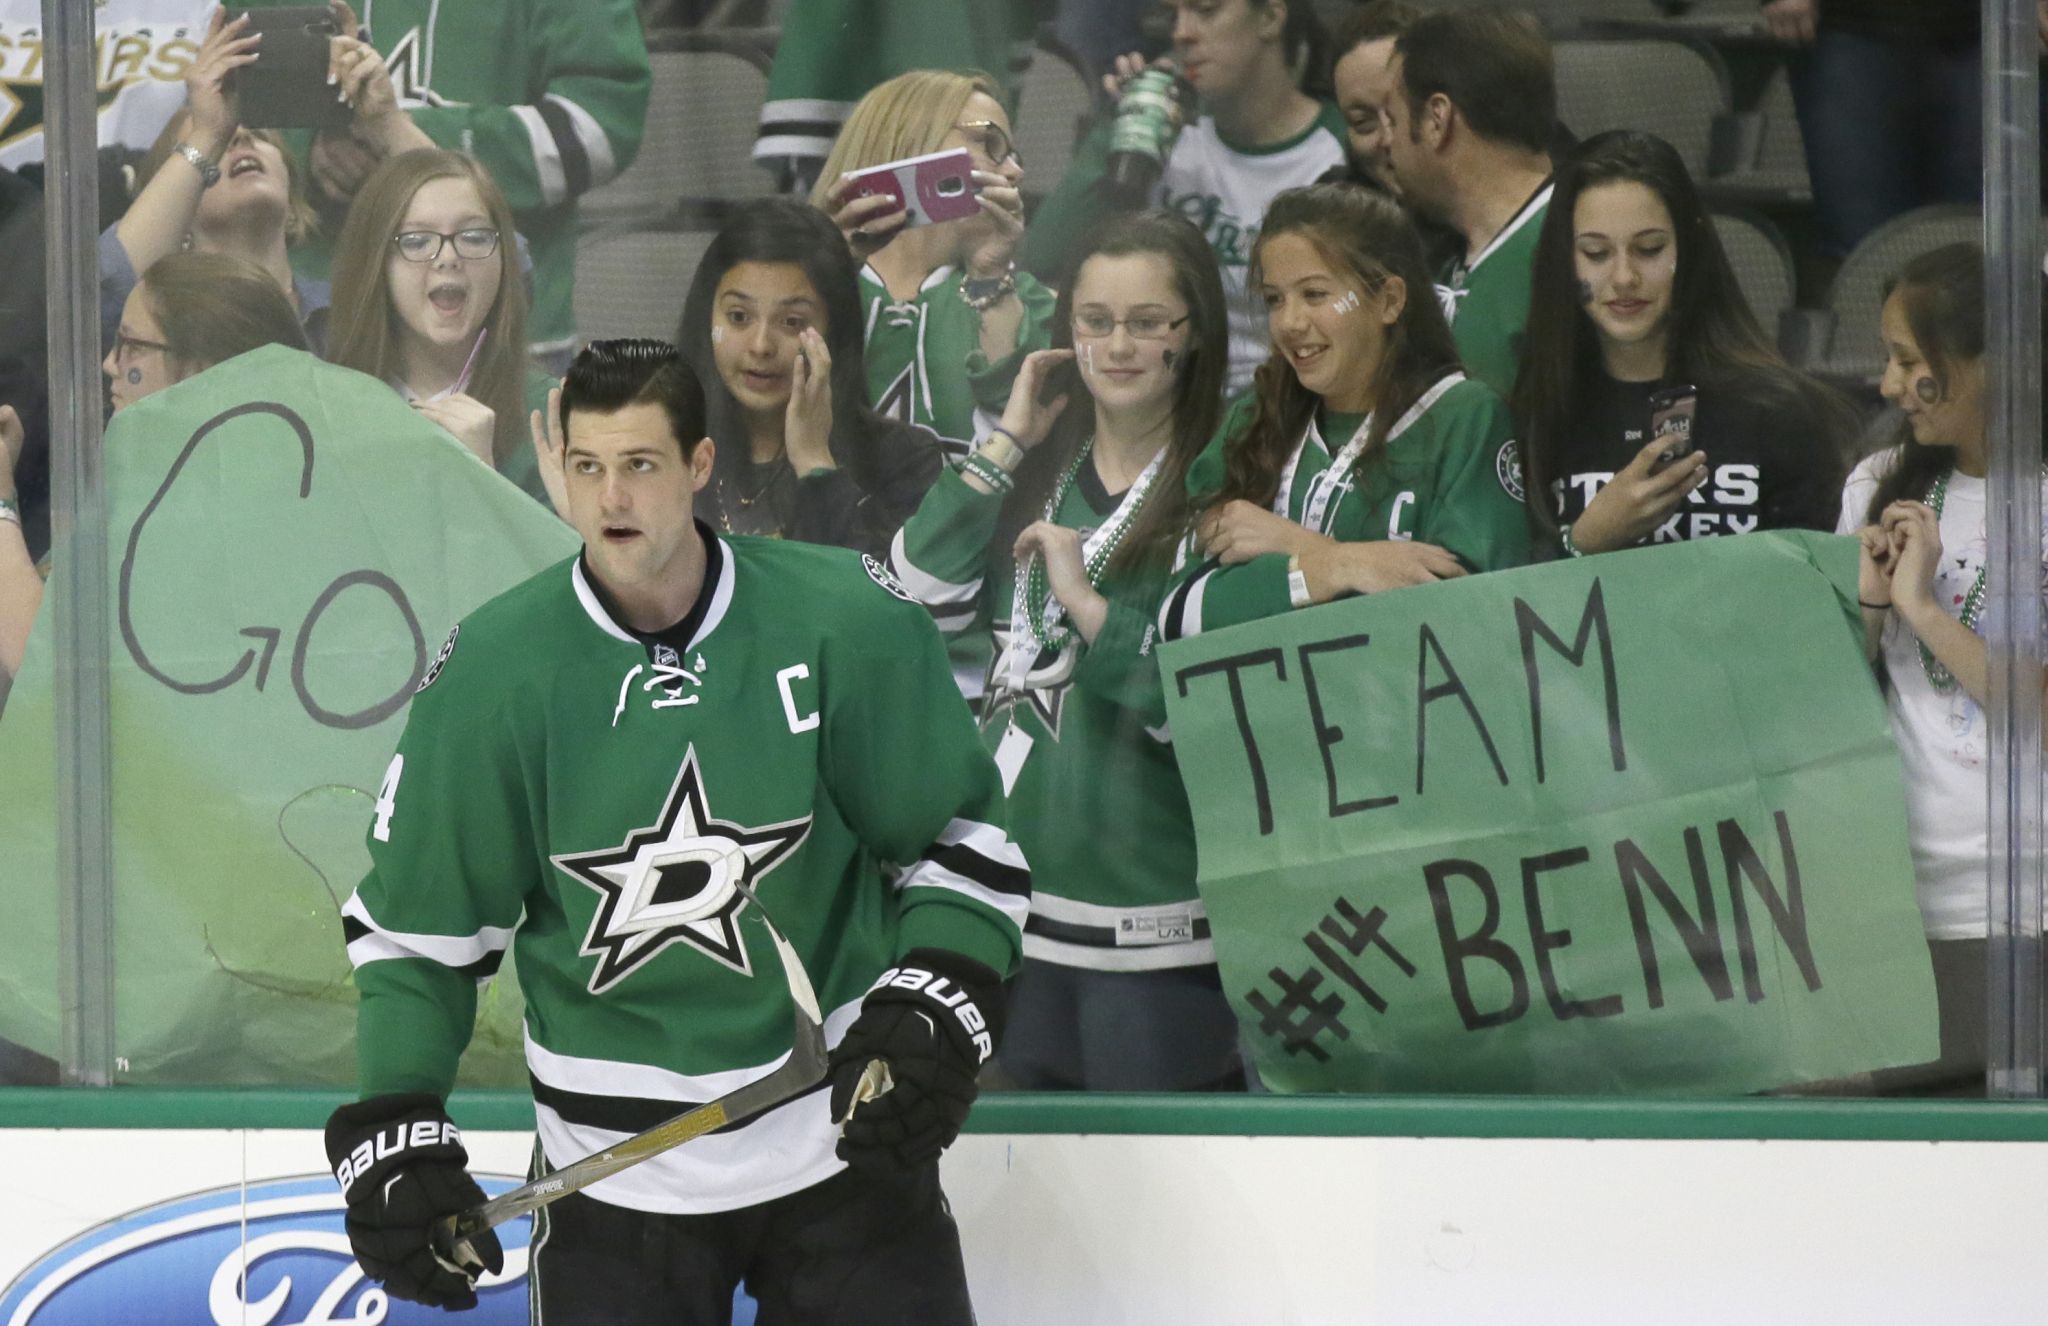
1938	675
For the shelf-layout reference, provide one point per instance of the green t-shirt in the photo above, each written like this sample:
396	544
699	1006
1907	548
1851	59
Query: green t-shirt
563	785
1096	799
1448	474
1487	298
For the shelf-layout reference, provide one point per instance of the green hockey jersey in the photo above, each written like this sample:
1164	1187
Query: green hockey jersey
926	368
1096	800
925	365
1448	474
550	95
1487	298
586	797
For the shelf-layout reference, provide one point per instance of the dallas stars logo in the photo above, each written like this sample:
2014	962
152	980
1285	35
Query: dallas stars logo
677	881
1047	694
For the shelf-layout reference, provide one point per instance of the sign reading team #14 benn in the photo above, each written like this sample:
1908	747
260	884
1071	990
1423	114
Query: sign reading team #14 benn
1627	823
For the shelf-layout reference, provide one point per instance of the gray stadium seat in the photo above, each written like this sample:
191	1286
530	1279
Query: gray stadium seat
1762	261
1855	350
699	139
1674	89
632	282
1052	103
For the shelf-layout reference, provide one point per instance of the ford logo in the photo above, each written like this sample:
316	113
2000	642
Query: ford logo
271	1254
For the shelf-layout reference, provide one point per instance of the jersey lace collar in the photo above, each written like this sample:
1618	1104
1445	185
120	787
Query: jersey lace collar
702	619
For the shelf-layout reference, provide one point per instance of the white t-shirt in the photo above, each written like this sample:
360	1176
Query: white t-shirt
1224	191
144	49
1944	740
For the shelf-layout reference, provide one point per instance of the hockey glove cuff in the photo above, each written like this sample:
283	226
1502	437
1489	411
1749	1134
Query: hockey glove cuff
934	1018
402	1166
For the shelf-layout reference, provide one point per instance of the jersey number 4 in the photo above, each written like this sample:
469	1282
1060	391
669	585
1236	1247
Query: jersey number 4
387	800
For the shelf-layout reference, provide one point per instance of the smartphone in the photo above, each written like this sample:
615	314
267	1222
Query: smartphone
1671	411
938	186
287	86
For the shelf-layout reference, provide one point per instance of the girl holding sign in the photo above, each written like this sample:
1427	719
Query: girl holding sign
1364	459
428	297
1919	508
1651	406
1056	535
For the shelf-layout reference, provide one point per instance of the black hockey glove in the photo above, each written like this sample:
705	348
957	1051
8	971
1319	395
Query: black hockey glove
401	1165
934	1018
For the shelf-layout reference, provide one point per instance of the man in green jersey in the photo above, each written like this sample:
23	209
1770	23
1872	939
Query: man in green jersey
1467	123
595	765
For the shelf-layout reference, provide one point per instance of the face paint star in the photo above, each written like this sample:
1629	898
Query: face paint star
677	880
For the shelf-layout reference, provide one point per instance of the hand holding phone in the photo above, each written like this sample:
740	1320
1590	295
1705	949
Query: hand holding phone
938	186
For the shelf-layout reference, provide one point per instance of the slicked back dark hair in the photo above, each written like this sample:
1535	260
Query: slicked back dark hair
1493	64
608	376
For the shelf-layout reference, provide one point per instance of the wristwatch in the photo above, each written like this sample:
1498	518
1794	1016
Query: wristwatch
209	171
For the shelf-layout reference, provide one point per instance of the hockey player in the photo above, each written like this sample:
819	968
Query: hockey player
1057	537
1364	460
630	735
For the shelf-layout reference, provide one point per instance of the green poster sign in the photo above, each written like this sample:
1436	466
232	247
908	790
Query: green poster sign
1631	823
289	545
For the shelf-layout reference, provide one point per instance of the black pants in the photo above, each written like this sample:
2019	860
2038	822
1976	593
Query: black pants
855	1250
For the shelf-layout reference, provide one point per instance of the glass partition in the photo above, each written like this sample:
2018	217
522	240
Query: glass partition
1365	748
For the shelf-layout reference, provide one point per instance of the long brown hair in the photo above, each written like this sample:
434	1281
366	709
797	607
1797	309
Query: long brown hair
362	328
1942	294
1197	398
1369	237
213	307
1713	335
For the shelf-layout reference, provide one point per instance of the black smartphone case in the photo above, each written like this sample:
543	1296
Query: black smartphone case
287	86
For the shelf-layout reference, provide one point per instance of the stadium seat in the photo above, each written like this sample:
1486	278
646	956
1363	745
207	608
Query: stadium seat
1051	105
698	145
1855	350
1674	89
632	282
1762	260
1770	161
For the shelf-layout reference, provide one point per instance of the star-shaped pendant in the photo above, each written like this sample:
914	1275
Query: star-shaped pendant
677	880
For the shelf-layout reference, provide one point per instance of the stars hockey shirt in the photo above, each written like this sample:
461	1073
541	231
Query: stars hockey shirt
1447	474
565	789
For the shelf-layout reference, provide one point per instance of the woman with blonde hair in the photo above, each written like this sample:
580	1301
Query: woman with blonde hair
949	319
428	298
213	185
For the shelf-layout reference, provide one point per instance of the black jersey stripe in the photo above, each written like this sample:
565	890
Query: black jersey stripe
964	861
623	1114
353	929
1096	936
576	170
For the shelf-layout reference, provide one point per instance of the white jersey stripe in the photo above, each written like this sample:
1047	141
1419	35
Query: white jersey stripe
926	588
931	875
448	950
609	1077
1150	957
547	156
1068	911
597	146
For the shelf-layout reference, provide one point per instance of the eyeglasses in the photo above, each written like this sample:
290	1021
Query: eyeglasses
426	245
1096	325
993	139
126	347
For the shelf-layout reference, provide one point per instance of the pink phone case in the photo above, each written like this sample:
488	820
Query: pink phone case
936	187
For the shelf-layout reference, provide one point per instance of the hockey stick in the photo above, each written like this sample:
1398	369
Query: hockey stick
804	1070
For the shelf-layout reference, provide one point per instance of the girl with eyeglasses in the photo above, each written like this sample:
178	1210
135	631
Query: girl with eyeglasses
189	312
1054	540
428	298
1364	459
